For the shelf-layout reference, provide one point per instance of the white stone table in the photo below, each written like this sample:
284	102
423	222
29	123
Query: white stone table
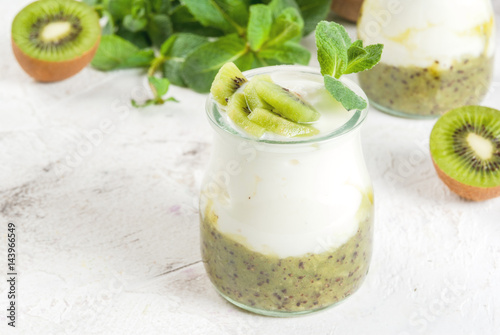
108	239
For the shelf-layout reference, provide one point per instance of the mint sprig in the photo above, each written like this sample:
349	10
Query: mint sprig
185	42
338	55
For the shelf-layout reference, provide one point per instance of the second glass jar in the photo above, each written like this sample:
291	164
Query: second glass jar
438	55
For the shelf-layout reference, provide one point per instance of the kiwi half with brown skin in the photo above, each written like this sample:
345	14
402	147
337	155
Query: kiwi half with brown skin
465	149
54	39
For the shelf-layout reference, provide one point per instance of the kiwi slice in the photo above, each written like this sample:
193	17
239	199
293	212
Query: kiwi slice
237	111
54	39
281	126
286	103
253	99
226	82
465	149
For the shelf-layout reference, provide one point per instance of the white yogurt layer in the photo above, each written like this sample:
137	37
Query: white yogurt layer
289	201
418	33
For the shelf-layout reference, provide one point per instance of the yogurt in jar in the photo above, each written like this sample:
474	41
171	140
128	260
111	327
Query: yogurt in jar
305	202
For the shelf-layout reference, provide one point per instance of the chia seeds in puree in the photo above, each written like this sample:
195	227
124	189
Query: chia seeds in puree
428	91
293	284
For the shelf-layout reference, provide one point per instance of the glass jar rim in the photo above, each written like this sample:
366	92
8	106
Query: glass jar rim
356	120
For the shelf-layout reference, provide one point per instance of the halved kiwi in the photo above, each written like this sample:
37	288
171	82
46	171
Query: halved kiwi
54	39
226	82
465	149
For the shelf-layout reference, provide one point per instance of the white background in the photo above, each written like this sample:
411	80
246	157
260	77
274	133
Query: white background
108	239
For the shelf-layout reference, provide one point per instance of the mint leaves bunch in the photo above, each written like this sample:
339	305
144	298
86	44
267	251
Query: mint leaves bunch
338	55
185	42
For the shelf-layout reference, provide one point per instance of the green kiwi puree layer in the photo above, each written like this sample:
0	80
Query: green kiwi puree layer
428	91
293	284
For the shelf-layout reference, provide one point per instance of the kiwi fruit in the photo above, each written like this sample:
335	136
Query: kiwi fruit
465	149
281	126
286	103
263	105
253	99
237	110
54	39
226	82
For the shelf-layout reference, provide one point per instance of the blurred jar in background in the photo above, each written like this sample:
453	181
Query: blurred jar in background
347	9
438	55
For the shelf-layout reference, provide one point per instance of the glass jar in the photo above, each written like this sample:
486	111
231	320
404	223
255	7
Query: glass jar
438	55
286	225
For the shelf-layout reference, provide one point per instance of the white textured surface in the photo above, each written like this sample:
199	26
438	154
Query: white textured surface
110	244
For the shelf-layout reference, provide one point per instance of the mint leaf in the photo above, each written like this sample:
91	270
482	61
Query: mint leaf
278	6
134	24
287	26
115	52
159	28
245	61
227	15
150	102
201	66
159	87
119	8
358	44
184	44
259	25
332	42
363	59
337	55
344	94
175	50
140	39
312	12
160	84
167	45
287	53
161	6
141	58
184	21
237	11
147	103
354	52
109	27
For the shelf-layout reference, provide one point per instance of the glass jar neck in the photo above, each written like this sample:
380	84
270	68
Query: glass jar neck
219	122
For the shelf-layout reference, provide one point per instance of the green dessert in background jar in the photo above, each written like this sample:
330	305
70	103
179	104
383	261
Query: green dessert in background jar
438	55
429	91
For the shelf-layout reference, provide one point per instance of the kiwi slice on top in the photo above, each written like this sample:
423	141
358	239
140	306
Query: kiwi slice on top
237	111
226	82
465	149
254	101
54	39
286	103
281	126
